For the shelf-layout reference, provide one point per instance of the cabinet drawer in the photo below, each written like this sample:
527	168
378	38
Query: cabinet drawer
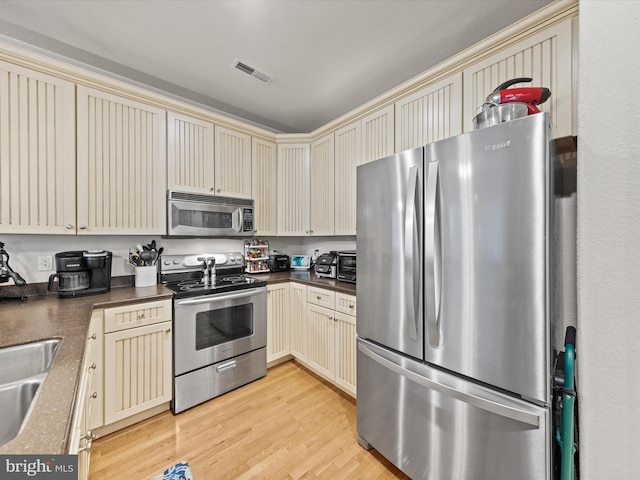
346	303
136	315
321	297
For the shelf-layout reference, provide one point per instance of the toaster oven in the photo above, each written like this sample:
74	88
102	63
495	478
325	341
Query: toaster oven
347	266
279	262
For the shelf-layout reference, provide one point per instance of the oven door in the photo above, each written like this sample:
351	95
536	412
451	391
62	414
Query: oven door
213	328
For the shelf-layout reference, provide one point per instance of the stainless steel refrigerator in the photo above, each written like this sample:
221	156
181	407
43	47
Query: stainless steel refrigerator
456	246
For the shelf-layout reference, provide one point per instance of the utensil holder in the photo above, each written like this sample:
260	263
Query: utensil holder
146	276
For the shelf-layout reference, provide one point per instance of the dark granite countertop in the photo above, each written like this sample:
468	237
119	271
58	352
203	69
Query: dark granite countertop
47	316
308	278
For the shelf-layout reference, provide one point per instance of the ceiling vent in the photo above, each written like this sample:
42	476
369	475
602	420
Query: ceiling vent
243	67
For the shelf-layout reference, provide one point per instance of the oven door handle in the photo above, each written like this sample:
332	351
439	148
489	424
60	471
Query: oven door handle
249	292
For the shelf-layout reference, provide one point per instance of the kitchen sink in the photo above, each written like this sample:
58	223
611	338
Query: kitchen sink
23	369
15	401
25	361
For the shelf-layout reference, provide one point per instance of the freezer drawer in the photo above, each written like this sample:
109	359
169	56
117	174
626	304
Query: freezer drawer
433	425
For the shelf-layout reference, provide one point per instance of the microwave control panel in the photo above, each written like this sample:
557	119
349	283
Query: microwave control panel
247	223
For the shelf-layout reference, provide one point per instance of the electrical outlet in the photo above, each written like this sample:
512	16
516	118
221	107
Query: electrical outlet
45	263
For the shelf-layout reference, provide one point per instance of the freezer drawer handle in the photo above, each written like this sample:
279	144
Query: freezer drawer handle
431	277
483	403
411	260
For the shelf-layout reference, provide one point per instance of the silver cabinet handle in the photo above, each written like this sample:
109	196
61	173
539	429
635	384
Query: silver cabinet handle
82	227
93	366
94	395
218	189
88	436
485	404
351	306
318	297
140	315
433	326
411	256
68	226
168	330
212	189
93	337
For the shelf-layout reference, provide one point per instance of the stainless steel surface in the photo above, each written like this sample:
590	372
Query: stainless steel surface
190	263
188	357
23	361
209	382
494	194
208	215
386	229
497	114
23	368
15	404
434	425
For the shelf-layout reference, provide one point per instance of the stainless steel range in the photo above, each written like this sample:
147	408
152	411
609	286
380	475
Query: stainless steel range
220	325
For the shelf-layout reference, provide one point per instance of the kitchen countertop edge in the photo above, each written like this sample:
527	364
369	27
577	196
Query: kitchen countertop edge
42	317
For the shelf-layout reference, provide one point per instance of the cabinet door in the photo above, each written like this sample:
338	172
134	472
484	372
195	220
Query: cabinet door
320	340
345	352
297	320
277	321
321	188
545	57
378	134
121	165
138	370
293	189
37	152
321	297
346	303
264	187
189	154
348	157
430	114
232	163
137	315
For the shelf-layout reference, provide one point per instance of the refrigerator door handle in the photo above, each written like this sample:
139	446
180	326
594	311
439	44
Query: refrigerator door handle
411	254
431	299
503	410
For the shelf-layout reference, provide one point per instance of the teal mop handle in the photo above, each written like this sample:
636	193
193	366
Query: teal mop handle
567	471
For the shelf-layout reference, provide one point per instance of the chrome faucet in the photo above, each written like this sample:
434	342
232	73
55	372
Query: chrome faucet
209	270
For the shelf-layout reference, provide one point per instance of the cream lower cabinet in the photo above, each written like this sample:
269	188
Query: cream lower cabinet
88	408
277	321
297	320
331	337
137	358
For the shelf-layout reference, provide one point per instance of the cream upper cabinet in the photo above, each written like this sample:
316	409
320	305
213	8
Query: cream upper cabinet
264	187
322	196
293	190
189	154
430	114
121	165
37	152
545	56
232	163
348	156
378	134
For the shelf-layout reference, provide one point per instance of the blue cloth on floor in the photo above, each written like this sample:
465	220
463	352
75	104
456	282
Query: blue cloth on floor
179	471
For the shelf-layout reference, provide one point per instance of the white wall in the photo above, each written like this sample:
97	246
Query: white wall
24	250
608	239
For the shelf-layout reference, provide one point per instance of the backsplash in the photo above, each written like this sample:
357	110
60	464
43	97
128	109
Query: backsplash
24	250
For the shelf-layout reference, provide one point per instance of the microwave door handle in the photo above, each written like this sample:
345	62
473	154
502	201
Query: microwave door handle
237	220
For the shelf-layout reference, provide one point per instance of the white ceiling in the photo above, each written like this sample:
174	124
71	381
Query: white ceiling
327	56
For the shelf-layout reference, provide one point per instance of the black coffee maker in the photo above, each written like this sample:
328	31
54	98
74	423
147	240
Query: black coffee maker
82	273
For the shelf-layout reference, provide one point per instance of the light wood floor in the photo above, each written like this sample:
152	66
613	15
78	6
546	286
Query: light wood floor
287	425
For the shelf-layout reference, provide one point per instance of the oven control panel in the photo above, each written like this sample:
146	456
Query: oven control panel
188	263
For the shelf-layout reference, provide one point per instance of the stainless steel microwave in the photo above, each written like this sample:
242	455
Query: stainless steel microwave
200	215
